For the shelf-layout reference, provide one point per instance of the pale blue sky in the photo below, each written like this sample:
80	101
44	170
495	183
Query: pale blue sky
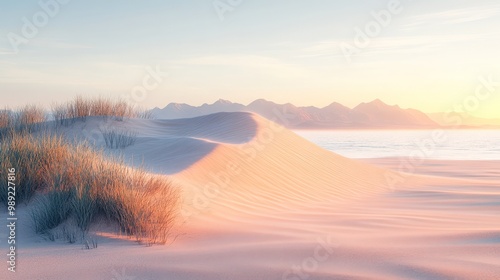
430	56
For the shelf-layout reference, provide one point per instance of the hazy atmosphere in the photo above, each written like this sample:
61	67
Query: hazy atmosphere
250	140
426	55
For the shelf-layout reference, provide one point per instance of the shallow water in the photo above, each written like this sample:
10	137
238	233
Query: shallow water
452	144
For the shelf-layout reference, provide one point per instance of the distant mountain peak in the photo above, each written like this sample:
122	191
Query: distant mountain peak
261	101
375	114
177	105
378	102
335	105
223	101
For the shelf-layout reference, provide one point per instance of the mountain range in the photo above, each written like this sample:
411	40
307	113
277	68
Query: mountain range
375	114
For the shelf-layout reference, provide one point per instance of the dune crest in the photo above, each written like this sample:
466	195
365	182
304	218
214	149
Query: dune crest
275	169
242	161
260	202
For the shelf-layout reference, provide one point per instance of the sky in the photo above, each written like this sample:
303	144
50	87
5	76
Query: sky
434	56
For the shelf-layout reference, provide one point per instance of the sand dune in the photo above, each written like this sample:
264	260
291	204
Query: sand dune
259	202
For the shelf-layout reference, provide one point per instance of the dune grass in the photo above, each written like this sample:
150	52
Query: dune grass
52	211
78	183
81	108
5	118
5	122
32	159
29	119
118	138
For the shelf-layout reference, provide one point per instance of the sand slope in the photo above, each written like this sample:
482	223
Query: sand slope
259	202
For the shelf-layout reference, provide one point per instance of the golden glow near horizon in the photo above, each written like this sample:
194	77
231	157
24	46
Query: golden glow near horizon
424	55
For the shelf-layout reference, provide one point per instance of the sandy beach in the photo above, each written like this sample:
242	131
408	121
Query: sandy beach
259	202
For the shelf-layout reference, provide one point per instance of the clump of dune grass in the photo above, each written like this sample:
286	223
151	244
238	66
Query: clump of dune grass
5	118
5	122
118	138
81	108
28	119
144	114
90	243
51	211
77	183
32	158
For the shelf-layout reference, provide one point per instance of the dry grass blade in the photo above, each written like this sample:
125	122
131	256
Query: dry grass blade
79	183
